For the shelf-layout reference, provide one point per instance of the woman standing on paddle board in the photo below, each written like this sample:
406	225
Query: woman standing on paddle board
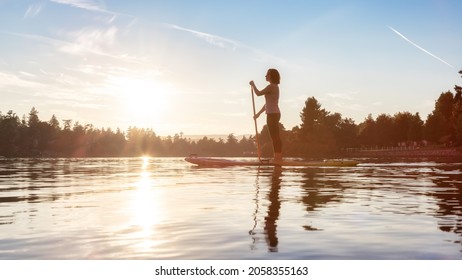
271	107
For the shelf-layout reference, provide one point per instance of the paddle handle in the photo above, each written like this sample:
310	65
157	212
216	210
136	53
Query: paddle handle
255	123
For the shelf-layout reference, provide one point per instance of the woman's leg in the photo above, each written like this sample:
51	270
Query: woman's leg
272	120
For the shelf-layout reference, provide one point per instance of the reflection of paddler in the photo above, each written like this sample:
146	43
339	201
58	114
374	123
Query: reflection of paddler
273	210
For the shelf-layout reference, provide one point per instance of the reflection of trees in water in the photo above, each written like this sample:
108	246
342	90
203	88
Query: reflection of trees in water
23	181
318	190
448	195
39	180
26	177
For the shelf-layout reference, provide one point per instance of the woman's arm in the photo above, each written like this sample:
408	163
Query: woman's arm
255	89
259	112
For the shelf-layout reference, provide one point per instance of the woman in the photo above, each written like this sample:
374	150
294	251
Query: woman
273	115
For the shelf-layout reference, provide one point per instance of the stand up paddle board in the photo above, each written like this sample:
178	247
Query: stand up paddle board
221	162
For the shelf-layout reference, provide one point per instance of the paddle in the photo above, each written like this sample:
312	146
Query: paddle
255	122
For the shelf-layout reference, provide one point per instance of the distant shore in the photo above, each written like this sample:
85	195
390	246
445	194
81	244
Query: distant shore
453	153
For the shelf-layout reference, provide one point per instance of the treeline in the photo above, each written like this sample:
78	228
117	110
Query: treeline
320	133
31	137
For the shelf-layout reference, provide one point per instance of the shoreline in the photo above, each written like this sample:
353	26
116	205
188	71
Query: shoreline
442	153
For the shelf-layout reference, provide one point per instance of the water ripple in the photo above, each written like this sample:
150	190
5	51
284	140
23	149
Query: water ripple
164	208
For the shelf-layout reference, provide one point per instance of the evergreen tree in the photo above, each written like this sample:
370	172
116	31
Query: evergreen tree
457	114
10	133
439	126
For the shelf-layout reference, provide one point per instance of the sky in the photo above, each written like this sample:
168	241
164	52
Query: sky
185	66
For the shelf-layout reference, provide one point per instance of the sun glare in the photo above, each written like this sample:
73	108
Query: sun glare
146	207
143	100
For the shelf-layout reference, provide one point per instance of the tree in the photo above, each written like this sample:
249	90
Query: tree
408	127
310	116
322	132
434	127
231	145
10	133
53	122
385	134
457	114
347	134
247	145
33	118
367	132
415	132
32	138
440	124
444	104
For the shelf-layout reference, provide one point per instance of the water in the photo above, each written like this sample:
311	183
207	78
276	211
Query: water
165	208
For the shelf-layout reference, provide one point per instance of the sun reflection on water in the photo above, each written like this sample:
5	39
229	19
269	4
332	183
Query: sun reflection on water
146	209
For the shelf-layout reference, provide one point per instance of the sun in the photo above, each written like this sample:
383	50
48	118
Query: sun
143	99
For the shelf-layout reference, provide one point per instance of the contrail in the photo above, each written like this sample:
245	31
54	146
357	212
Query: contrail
210	38
419	47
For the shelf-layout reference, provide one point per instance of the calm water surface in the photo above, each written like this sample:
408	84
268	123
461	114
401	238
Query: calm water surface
165	208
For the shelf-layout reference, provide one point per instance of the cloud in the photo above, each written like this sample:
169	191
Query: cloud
82	4
32	11
8	81
419	47
92	40
86	41
348	96
345	101
91	5
3	62
209	38
233	45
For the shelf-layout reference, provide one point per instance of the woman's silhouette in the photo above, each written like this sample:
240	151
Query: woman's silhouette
271	107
